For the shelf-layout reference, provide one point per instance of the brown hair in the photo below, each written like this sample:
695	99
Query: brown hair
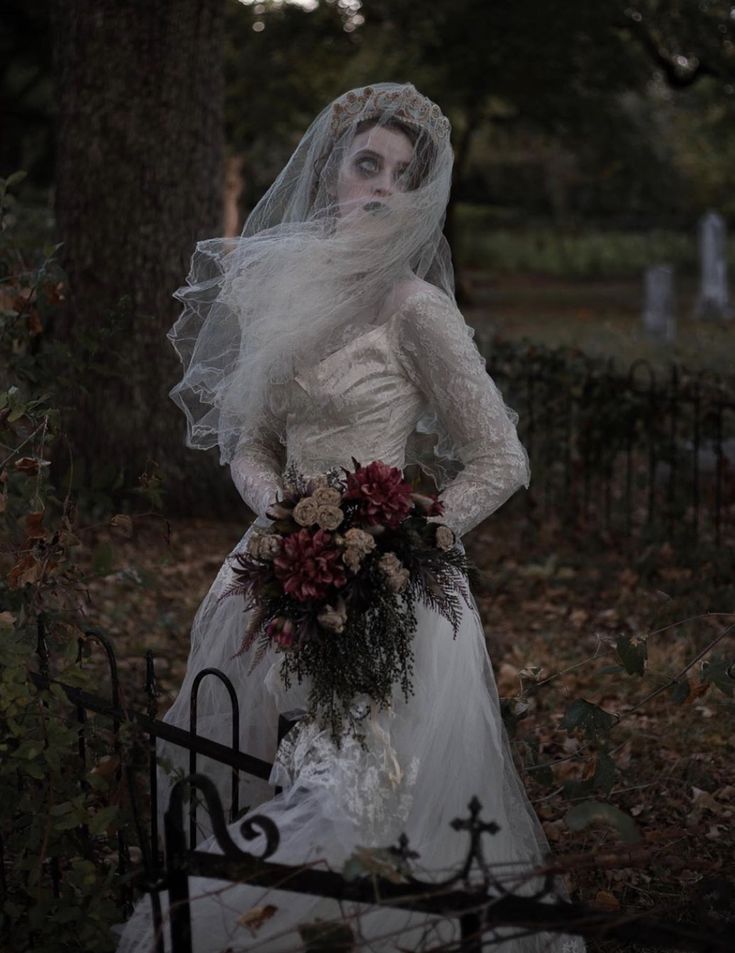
424	149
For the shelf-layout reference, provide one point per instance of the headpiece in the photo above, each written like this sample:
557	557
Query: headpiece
404	103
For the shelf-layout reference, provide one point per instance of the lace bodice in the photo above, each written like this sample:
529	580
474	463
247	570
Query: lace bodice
364	399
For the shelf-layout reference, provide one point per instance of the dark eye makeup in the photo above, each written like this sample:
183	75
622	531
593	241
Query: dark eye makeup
369	163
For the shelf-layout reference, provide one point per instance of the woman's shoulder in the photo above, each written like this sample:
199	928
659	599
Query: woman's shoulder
410	291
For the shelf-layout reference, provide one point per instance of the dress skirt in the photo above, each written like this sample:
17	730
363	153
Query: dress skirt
422	761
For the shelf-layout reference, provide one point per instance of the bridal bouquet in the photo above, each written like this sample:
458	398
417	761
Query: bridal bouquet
333	584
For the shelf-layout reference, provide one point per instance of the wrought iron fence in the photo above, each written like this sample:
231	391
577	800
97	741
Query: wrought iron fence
634	453
473	895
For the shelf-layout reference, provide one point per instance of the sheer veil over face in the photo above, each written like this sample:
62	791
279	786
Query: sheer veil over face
358	209
373	170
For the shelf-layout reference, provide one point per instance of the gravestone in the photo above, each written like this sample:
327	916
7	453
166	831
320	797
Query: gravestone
659	320
713	300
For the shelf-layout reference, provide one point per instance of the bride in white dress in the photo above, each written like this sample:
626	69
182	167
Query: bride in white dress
329	331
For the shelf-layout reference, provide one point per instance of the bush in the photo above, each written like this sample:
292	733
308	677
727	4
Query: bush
59	816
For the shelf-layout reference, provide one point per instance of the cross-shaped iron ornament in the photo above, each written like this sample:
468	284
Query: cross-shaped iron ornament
489	884
476	828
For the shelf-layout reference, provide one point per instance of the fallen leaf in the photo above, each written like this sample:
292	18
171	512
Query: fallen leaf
697	688
555	830
605	900
256	917
34	526
135	855
727	793
30	465
27	569
533	673
106	767
714	832
34	323
578	617
124	523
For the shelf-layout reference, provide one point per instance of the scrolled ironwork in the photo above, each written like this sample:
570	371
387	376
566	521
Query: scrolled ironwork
174	820
253	827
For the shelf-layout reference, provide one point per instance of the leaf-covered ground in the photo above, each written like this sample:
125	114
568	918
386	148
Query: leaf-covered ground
555	604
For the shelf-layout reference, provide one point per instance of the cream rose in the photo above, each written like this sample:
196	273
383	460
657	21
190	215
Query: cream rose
329	517
360	540
305	511
264	546
352	558
270	547
254	545
395	572
327	496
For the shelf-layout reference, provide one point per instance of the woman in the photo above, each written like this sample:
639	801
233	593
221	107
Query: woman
329	331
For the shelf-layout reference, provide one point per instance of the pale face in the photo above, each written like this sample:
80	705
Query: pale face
373	168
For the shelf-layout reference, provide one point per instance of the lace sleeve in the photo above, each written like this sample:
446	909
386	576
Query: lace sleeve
435	347
256	468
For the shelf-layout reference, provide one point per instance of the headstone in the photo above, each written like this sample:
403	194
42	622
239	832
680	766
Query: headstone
659	320
713	300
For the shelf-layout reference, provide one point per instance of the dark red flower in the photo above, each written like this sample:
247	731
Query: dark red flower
309	564
384	496
282	631
428	504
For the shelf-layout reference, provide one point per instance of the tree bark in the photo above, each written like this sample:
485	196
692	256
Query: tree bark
140	160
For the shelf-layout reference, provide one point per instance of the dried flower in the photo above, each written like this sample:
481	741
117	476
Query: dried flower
264	546
444	537
282	631
333	618
308	565
359	540
305	511
394	570
276	511
329	517
352	558
327	496
384	496
429	505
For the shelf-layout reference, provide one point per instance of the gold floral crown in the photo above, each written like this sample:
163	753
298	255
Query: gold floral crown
404	103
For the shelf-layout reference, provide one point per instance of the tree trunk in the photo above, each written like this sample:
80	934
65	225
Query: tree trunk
139	179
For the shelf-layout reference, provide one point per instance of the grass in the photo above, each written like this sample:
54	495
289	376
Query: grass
510	242
601	317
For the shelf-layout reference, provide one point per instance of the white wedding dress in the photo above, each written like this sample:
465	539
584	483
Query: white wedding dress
426	757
